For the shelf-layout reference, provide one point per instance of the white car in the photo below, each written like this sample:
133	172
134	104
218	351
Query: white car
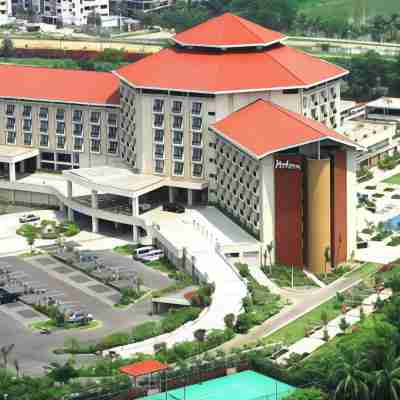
26	218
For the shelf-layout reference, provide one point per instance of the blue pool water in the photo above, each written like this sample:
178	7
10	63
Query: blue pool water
394	223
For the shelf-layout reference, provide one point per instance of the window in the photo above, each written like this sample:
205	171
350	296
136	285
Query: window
43	113
11	137
158	120
78	130
27	125
178	168
159	135
112	132
159	151
27	139
44	126
95	117
159	166
60	128
95	146
64	157
44	141
112	119
78	144
178	153
178	137
77	116
95	132
197	170
196	108
27	112
60	114
10	123
60	143
197	138
112	147
197	123
197	154
177	122
10	109
158	105
177	107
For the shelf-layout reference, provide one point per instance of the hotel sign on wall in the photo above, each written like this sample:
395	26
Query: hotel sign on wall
286	164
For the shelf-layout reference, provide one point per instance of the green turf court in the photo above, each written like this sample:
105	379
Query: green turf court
247	385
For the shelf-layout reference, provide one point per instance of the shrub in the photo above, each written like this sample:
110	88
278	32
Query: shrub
229	320
243	269
176	318
244	323
144	331
307	394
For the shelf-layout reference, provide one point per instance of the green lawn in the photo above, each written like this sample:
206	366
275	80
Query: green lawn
282	276
363	272
296	330
394	180
50	324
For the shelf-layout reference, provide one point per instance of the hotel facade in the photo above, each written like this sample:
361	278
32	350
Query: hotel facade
228	115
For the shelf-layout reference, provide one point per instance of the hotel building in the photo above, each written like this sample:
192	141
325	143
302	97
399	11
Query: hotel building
228	115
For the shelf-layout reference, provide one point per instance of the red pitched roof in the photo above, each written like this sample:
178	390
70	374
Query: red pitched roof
62	85
228	30
277	67
145	367
263	128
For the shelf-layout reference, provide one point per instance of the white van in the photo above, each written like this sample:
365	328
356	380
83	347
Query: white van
153	255
141	251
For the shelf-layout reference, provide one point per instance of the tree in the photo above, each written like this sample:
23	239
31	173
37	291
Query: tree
200	335
30	240
5	352
269	248
62	373
324	317
343	325
327	258
7	47
352	383
229	320
387	380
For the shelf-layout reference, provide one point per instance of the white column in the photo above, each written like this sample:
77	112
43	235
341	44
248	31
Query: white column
12	172
171	194
38	162
95	224
135	206
95	203
70	214
135	234
190	197
69	189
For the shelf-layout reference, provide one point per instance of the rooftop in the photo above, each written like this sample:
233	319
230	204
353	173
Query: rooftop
277	67
248	128
16	153
227	31
59	85
145	367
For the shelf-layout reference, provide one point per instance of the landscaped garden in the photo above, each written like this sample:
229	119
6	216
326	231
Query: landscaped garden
285	276
393	180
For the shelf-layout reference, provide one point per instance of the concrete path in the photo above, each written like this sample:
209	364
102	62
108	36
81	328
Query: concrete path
304	305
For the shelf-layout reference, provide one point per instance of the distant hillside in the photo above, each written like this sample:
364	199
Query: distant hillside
349	9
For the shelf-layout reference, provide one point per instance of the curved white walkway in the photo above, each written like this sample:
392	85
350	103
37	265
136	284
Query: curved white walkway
227	298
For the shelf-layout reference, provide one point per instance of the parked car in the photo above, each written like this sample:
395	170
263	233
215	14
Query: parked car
141	251
7	297
152	255
173	207
26	218
79	316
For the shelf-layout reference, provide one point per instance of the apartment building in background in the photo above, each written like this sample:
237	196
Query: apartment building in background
228	115
5	11
73	12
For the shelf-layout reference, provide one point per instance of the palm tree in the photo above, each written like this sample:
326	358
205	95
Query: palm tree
387	380
5	352
352	385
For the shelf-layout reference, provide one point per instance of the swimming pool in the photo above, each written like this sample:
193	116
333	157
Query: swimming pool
393	223
246	385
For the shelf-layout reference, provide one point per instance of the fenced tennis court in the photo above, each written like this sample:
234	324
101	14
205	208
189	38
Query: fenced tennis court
246	385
